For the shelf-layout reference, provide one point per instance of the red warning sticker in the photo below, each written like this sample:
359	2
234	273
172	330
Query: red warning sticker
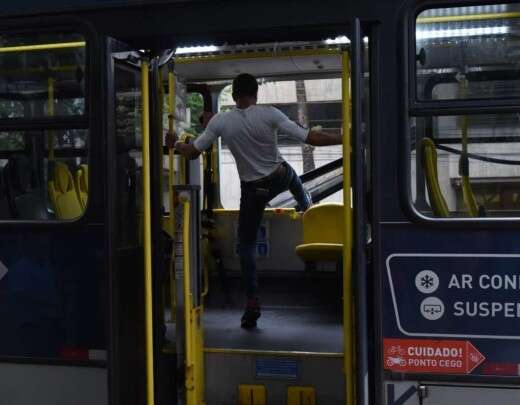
431	356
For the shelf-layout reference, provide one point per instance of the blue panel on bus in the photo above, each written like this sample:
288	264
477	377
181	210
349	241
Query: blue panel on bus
276	368
455	295
451	301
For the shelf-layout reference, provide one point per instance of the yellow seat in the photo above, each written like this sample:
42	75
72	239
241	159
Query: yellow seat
62	193
429	162
82	185
323	233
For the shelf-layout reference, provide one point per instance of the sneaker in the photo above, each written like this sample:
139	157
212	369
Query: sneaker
251	314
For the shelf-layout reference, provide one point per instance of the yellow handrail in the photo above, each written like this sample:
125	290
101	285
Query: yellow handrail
467	192
147	227
187	294
42	47
429	164
469	17
348	320
192	321
259	55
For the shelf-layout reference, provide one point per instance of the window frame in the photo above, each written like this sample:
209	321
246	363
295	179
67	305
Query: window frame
412	107
74	25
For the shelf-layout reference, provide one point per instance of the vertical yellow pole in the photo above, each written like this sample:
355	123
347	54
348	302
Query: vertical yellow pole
348	321
194	370
188	307
147	225
50	112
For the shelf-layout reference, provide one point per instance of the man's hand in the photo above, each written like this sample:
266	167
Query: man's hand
170	139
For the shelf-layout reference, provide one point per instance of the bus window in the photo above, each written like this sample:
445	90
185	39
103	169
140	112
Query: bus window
485	181
40	173
479	44
36	67
129	154
11	109
310	103
466	165
11	141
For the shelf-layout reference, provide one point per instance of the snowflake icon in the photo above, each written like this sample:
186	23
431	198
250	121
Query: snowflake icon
427	281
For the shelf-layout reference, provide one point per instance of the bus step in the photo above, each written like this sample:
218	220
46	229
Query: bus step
251	395
301	396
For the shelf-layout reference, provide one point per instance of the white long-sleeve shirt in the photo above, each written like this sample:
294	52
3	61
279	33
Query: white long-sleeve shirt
251	135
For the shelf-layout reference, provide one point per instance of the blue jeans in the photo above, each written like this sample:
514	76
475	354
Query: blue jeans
254	197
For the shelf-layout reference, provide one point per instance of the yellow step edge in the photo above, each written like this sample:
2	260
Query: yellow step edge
301	396
252	394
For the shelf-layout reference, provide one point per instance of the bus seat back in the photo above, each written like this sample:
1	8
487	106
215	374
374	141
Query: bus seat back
323	233
63	193
429	163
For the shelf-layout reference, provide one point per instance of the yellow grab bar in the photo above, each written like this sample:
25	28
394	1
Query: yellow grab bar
348	319
467	192
42	47
147	227
429	163
188	304
467	17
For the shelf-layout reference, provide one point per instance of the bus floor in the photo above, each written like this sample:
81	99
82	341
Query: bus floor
297	316
285	329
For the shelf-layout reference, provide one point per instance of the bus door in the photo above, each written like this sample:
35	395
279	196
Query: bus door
140	373
300	335
126	255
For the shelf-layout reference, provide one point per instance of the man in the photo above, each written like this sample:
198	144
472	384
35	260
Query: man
250	132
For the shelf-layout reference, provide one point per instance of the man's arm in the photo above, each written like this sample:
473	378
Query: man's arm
313	136
319	138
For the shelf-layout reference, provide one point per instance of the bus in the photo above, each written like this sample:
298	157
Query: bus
119	272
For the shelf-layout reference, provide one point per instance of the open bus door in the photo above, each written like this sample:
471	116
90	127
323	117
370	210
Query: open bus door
281	360
127	360
138	366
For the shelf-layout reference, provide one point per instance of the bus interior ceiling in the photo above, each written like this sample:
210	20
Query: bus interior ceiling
301	302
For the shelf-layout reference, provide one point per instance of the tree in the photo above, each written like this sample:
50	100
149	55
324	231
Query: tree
195	103
303	119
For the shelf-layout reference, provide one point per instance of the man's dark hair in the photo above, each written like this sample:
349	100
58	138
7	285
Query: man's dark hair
244	85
